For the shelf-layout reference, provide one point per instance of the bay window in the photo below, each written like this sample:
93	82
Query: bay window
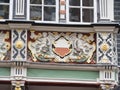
43	10
82	11
4	9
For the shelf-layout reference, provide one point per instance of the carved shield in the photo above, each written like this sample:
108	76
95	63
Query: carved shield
62	47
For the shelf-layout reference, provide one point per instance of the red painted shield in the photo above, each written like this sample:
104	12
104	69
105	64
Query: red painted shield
62	51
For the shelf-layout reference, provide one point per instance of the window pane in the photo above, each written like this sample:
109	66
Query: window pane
88	15
74	14
49	2
49	13
4	11
74	2
87	2
35	13
35	1
4	1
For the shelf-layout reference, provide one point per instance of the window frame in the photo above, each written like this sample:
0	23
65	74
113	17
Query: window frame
11	10
43	5
94	8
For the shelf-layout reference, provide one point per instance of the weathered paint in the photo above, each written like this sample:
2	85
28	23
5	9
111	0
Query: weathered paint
63	74
4	71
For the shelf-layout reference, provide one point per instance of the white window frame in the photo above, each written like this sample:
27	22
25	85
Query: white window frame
39	21
94	7
11	10
9	4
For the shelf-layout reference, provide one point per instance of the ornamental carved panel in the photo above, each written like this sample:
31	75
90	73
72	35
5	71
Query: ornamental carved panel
19	43
5	45
105	47
58	47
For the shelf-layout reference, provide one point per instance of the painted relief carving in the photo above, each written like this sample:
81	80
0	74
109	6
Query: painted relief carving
84	48
40	46
61	47
19	38
4	45
105	48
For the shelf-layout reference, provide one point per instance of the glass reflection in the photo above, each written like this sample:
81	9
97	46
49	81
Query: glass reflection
4	11
74	14
4	1
74	2
87	2
88	15
49	2
35	13
49	13
35	1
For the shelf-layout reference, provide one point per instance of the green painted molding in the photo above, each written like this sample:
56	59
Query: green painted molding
63	74
4	71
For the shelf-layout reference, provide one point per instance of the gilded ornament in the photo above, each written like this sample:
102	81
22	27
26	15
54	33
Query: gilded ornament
18	87
105	59
55	33
7	45
19	44
104	47
32	30
107	86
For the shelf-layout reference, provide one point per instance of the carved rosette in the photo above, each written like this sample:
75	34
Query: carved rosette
19	41
61	47
104	47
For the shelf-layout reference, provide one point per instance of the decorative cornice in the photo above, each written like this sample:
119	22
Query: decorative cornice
95	27
62	29
104	28
19	26
4	27
92	67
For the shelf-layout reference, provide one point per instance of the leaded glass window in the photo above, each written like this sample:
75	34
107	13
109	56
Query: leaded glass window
43	10
81	11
